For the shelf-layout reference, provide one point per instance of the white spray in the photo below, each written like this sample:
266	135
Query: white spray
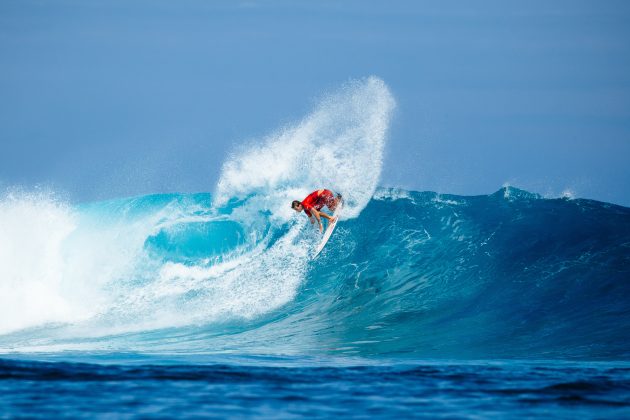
87	268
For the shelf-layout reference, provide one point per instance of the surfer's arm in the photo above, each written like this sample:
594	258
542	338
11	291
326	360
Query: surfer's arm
309	213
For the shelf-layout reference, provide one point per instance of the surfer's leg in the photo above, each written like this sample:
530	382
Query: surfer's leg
325	216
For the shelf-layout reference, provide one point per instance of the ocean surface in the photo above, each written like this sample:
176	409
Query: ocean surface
507	305
302	387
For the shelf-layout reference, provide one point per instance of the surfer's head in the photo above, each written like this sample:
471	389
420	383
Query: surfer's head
297	206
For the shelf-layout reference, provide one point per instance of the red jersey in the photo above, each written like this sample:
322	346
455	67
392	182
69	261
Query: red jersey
317	200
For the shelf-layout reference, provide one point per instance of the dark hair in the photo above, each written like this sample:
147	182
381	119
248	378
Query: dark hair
295	203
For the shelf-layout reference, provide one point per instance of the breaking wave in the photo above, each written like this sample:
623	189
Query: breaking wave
509	274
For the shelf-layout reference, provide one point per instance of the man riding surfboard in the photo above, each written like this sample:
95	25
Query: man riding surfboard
314	202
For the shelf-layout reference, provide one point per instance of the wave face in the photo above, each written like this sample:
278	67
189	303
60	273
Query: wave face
406	273
420	274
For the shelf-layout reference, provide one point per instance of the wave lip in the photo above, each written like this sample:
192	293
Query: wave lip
339	145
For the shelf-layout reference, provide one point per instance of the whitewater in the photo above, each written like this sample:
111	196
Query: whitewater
79	273
408	276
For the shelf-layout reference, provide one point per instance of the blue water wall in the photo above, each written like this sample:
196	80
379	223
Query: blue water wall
506	275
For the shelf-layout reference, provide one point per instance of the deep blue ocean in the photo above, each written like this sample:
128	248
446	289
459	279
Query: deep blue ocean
428	305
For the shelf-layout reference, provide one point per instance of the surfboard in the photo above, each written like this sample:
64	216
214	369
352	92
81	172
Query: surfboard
329	230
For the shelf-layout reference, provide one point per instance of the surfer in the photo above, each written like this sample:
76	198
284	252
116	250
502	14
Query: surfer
314	202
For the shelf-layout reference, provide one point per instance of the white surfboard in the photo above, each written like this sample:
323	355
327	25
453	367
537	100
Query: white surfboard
329	230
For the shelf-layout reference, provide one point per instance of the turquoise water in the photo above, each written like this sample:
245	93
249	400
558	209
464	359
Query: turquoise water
507	275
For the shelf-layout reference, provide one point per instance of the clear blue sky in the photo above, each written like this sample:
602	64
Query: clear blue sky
108	98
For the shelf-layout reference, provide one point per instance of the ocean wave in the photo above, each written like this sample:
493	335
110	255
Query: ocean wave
508	274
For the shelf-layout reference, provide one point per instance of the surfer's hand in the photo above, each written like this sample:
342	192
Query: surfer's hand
321	228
